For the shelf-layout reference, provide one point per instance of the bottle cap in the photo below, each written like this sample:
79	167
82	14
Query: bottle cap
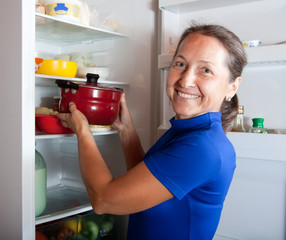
258	122
240	109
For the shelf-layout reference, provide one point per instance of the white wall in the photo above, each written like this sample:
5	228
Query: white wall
137	62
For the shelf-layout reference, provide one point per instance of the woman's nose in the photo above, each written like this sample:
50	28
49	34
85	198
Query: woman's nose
188	79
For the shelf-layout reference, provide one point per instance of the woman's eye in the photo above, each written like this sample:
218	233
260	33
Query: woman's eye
206	70
180	64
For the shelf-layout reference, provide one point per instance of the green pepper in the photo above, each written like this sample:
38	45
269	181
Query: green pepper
90	230
105	228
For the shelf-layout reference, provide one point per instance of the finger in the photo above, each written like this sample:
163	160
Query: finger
72	107
65	124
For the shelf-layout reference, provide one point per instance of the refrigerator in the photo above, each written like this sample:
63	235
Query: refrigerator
138	55
255	205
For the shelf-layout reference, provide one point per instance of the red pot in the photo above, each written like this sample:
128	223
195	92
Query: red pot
99	104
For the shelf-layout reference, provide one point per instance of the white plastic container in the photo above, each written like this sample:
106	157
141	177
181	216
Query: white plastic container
68	10
40	184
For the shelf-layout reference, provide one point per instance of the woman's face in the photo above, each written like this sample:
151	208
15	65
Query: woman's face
198	80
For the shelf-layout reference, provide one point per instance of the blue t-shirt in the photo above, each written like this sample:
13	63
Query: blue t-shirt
194	160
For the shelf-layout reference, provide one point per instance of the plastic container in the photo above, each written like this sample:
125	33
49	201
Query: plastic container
51	124
251	43
40	184
102	72
257	126
68	10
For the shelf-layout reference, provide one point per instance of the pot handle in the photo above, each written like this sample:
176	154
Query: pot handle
66	84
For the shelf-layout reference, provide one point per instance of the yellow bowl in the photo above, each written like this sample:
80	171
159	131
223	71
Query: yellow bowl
58	68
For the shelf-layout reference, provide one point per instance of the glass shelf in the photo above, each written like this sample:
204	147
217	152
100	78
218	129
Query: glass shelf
41	135
61	32
49	80
183	6
64	202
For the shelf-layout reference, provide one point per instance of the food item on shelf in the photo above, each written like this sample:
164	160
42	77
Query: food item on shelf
38	62
238	125
40	236
83	60
84	13
58	68
251	43
74	225
105	227
39	8
257	126
40	184
65	233
90	230
68	10
111	26
51	124
100	128
102	72
45	111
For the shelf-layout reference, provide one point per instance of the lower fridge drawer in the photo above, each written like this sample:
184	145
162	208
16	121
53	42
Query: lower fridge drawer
86	226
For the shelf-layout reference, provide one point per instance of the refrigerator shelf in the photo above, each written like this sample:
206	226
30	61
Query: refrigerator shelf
269	147
41	135
60	32
48	80
64	202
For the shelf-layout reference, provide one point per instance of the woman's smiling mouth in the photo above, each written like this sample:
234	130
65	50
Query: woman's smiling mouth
186	95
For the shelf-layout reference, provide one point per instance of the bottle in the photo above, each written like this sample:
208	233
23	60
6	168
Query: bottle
40	184
257	126
238	125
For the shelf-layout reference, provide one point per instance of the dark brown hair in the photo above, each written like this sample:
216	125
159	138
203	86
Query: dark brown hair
235	63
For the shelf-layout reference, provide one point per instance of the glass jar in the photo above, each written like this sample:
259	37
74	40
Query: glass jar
238	125
257	126
40	184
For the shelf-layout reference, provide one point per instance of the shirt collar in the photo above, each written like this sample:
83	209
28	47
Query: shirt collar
199	122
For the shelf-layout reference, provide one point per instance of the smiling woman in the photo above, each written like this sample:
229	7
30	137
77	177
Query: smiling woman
213	51
177	189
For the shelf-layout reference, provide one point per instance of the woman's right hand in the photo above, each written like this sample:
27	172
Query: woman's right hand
124	120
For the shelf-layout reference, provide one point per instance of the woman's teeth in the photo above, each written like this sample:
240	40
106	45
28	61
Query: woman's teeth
185	95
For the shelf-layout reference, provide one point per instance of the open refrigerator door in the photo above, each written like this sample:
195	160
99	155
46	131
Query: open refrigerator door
254	207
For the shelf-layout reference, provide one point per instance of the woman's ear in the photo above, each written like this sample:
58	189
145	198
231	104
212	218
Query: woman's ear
233	87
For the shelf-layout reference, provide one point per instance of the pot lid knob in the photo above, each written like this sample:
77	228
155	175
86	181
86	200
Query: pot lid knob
92	78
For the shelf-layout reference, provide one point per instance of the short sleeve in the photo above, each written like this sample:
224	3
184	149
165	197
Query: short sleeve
186	163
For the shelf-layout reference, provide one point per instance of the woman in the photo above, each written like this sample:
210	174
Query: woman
177	189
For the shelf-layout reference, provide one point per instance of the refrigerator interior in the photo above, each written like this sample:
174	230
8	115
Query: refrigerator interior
116	50
255	206
129	53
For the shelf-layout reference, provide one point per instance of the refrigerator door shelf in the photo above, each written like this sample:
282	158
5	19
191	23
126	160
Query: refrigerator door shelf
184	6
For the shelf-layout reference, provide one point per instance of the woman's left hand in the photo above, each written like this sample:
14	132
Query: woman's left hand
74	120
